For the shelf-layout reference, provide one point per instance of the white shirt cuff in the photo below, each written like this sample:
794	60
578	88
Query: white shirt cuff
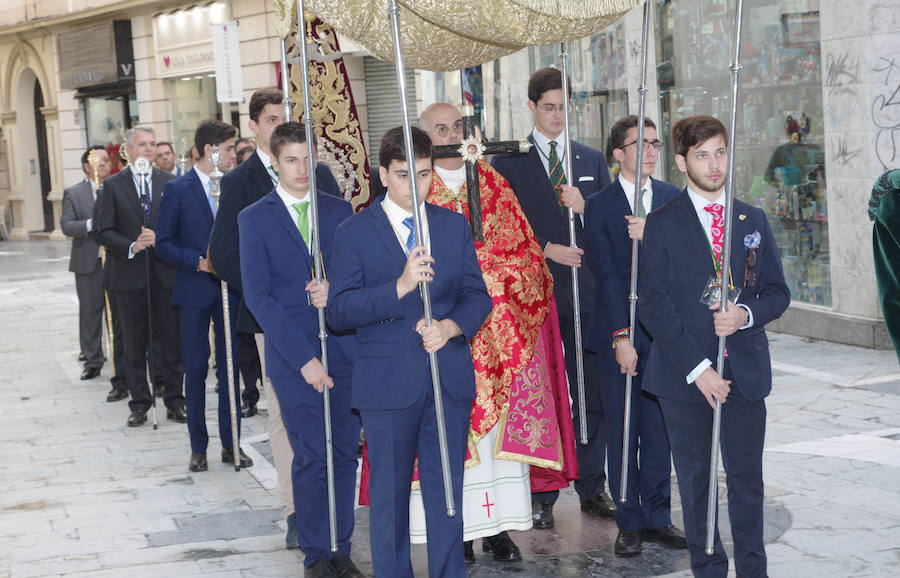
749	323
131	251
701	367
90	225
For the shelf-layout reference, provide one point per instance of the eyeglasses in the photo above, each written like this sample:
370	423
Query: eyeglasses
551	108
444	130
657	144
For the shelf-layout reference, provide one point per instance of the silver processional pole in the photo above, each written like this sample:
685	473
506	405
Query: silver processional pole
393	11
632	292
285	82
143	168
318	269
713	498
215	178
576	300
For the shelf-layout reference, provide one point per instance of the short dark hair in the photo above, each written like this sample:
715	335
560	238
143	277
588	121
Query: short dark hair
691	131
393	146
621	127
212	132
243	154
242	140
543	80
87	153
166	144
287	133
261	98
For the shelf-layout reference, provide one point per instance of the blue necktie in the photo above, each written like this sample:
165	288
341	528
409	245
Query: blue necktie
411	238
211	199
146	199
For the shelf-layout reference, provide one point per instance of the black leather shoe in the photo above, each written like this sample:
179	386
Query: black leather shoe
177	414
322	568
116	395
542	515
628	543
228	458
669	536
600	505
468	552
249	411
137	418
198	462
291	539
345	568
90	373
504	549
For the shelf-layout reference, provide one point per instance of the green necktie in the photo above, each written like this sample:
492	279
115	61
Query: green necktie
641	211
303	220
555	171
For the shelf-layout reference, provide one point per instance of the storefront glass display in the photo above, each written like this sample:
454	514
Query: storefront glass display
193	100
779	156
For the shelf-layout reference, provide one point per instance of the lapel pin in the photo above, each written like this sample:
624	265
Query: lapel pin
742	216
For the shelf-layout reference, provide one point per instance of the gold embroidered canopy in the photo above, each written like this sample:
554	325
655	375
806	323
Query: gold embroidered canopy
454	34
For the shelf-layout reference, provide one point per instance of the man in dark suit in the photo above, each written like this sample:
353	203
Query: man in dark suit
374	289
165	159
77	221
611	224
680	261
126	225
247	183
538	181
277	268
185	221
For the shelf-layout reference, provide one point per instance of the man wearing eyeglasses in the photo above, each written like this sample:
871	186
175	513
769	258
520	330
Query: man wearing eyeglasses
539	183
611	224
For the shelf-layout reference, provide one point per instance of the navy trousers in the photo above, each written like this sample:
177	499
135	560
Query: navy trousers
304	418
395	437
743	431
195	357
648	503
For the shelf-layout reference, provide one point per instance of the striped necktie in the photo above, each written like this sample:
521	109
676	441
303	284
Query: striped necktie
555	171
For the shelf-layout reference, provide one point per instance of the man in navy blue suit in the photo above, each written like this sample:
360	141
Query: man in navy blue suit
680	261
250	181
538	181
375	277
611	224
185	220
277	270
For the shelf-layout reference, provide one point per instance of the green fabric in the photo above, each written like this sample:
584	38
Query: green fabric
303	220
555	168
884	210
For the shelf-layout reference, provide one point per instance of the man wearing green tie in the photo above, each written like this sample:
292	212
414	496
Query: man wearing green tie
283	296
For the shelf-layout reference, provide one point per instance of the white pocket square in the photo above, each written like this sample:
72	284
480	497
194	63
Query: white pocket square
583	179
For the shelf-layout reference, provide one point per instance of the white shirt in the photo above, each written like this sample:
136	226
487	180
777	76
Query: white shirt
397	214
706	219
455	179
646	197
137	185
543	145
267	162
289	201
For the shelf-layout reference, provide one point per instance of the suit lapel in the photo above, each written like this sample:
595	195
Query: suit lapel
157	186
200	194
283	216
693	230
132	193
260	176
386	231
537	167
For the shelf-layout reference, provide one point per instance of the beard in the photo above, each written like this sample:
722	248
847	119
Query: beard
706	184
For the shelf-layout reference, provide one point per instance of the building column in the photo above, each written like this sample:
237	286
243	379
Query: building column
51	120
18	231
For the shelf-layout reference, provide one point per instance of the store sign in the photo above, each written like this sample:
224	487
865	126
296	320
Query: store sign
184	42
226	46
96	55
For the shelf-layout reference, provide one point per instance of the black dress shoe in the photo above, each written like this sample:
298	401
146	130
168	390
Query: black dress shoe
504	549
137	418
468	552
228	458
291	539
116	395
628	543
600	505
198	462
249	411
322	568
90	373
177	414
542	515
669	536
345	568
